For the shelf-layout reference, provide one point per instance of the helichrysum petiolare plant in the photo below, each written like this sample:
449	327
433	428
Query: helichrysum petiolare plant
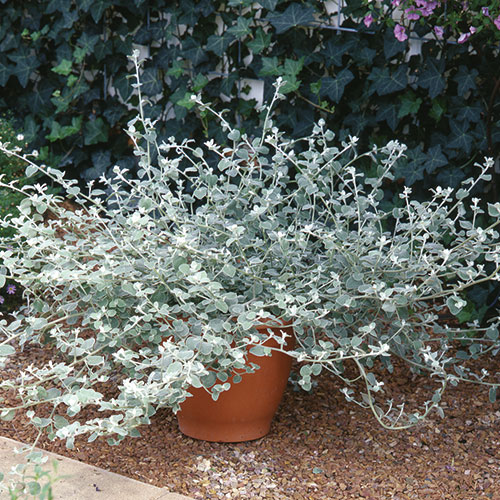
157	281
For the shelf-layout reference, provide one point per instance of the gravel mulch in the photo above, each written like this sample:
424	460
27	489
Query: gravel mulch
320	447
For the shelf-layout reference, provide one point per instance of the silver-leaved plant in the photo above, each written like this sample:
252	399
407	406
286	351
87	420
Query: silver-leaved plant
155	282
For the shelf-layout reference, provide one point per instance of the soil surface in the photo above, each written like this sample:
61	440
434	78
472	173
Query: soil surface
320	447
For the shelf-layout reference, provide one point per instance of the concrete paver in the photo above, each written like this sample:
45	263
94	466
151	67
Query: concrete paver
85	482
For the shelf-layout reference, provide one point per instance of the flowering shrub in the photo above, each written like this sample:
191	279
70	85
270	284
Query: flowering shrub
458	19
158	281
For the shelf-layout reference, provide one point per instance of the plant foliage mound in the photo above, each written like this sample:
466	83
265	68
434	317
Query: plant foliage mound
160	286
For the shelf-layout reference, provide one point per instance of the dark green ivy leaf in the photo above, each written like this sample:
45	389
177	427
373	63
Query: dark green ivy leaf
151	82
495	134
114	113
410	104
438	109
101	161
160	30
480	134
30	129
192	51
5	72
59	131
268	4
9	41
364	56
95	131
435	159
270	67
469	113
260	41
26	63
461	137
240	3
143	36
85	4
228	82
335	48
450	177
124	86
97	9
295	15
466	79
392	45
412	168
38	99
59	6
219	44
334	87
242	27
87	42
190	13
70	18
432	79
389	113
385	82
292	66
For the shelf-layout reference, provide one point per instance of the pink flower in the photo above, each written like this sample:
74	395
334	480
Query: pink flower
427	7
412	15
463	37
368	20
396	3
439	31
485	11
496	22
472	30
400	33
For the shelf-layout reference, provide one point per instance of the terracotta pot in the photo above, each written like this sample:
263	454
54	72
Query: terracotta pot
245	411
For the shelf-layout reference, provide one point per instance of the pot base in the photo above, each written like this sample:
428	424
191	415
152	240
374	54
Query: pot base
245	411
225	432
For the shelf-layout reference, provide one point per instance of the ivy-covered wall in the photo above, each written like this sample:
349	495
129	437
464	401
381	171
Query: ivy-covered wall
64	73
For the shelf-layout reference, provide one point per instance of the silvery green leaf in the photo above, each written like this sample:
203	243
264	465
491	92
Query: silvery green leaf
60	421
316	369
389	307
492	333
129	288
234	135
343	300
493	394
200	192
455	304
6	350
208	380
356	341
229	270
259	350
7	415
371	379
494	209
221	306
31	170
174	368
